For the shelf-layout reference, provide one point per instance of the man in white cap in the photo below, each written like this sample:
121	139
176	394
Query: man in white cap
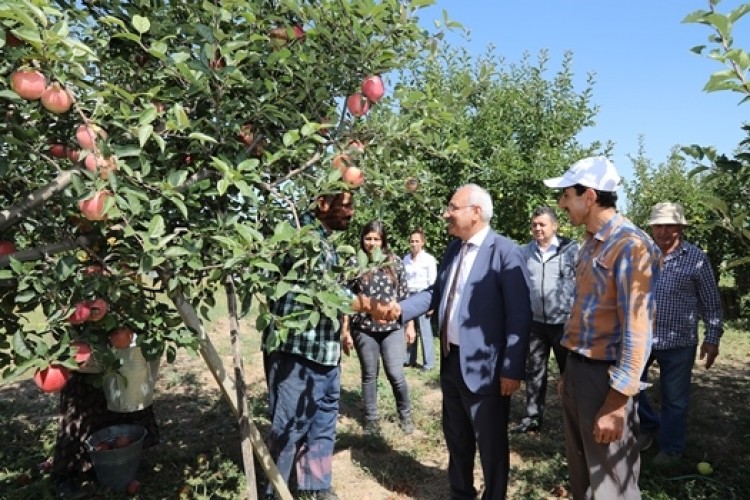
685	292
608	335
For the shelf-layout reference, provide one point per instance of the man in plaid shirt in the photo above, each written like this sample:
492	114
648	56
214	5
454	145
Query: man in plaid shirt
303	373
686	291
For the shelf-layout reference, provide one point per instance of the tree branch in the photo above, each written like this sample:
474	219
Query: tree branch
36	198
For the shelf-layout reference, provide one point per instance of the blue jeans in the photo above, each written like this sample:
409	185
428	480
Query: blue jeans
675	371
303	401
424	329
370	347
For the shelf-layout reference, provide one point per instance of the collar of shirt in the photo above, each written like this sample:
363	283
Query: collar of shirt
609	227
550	250
478	238
681	249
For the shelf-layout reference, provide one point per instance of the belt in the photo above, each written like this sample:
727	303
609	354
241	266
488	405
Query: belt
591	361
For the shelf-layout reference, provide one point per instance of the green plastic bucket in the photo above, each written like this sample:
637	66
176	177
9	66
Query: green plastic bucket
116	467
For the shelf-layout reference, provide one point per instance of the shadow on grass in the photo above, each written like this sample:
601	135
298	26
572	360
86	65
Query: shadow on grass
718	432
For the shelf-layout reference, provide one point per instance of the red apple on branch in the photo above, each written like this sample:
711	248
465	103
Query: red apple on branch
93	208
82	351
120	338
99	308
28	83
341	162
7	247
52	379
73	155
56	99
357	104
353	176
86	135
81	314
373	88
58	150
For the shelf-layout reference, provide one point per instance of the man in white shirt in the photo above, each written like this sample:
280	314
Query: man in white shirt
421	270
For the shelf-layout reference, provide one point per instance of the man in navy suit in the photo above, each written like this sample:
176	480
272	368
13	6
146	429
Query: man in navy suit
482	296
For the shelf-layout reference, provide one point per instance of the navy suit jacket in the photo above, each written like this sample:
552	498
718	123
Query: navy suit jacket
494	313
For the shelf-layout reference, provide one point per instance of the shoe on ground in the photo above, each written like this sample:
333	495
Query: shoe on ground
527	426
645	440
317	495
407	425
663	458
372	428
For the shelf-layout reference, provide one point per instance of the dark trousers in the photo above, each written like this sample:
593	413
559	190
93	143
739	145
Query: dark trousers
370	348
597	471
483	416
544	337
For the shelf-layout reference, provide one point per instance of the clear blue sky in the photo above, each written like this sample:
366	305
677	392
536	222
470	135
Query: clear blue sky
648	82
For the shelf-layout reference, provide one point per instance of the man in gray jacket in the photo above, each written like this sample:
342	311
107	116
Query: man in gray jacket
551	261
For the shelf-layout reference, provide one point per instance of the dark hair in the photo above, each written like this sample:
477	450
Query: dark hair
418	230
376	226
605	199
539	211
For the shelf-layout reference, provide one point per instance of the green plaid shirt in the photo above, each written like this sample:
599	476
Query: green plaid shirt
321	343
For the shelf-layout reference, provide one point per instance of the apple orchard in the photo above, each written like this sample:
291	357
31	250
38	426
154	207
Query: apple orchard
155	153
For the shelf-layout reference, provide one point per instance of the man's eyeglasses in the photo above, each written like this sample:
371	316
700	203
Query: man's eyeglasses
455	208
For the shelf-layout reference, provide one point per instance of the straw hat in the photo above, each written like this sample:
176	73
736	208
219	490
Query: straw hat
668	214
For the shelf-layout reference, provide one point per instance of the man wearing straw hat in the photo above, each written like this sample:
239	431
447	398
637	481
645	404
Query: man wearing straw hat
685	291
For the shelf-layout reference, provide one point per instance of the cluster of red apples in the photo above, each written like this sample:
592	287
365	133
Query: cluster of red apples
31	85
358	104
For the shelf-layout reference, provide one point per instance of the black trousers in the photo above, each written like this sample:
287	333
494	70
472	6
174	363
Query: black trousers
483	416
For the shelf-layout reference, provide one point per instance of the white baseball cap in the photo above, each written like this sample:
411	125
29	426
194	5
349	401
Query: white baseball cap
595	172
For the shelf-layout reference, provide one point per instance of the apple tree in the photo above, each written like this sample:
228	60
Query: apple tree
504	126
731	171
156	148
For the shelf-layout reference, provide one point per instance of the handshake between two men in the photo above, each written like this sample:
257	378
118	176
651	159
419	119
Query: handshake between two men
379	310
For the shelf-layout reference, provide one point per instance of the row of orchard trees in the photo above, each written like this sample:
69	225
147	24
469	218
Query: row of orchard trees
183	143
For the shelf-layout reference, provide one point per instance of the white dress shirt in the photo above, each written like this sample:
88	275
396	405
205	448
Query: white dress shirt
421	271
471	254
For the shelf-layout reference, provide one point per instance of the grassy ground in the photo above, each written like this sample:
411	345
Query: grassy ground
200	458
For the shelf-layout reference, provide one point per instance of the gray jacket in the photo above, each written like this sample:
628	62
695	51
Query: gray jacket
552	282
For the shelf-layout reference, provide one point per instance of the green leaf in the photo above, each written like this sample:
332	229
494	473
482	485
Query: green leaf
290	137
222	186
202	137
141	24
183	121
156	227
721	23
19	345
177	178
9	94
740	11
267	266
248	233
144	133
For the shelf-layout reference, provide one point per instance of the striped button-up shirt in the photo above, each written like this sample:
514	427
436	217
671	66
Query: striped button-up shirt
686	290
613	311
